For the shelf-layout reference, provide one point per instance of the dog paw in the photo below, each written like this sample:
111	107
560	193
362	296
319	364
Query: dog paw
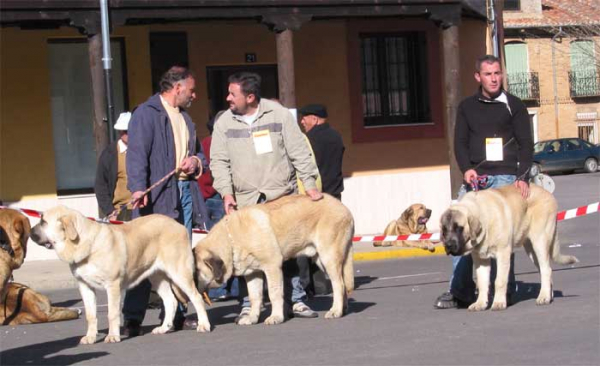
112	339
203	328
498	305
88	340
161	330
543	300
272	320
478	306
332	314
246	320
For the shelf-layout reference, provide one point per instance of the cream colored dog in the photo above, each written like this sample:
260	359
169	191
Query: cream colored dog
118	257
491	223
259	238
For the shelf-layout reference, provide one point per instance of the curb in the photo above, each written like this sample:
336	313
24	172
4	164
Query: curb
397	253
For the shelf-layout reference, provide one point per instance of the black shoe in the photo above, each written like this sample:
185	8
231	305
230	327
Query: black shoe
178	323
133	328
449	301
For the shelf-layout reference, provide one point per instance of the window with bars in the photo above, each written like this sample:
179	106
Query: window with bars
394	79
512	5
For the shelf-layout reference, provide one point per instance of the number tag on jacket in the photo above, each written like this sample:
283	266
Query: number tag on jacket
493	149
262	142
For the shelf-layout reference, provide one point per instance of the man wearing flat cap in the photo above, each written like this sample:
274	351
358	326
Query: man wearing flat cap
327	145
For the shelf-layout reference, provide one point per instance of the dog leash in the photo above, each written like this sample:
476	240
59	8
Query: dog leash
118	210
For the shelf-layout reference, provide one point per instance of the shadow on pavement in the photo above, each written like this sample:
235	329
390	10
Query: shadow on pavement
39	354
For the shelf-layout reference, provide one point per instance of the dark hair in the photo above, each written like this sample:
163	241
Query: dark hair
211	122
172	76
249	83
490	59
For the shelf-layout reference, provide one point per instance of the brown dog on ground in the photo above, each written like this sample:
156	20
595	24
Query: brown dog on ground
18	303
412	221
23	305
14	232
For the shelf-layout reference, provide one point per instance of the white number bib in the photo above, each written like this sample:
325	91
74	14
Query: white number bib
493	149
262	142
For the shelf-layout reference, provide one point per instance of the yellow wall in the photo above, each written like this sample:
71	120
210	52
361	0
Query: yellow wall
26	146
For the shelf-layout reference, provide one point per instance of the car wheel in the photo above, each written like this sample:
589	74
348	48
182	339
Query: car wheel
535	169
590	165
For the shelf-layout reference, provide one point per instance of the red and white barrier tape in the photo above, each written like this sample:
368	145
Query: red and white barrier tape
561	216
38	214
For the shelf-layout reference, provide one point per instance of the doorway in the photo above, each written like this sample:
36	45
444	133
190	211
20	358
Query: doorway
217	84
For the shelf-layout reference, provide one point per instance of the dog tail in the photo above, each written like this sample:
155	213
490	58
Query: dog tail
348	272
560	258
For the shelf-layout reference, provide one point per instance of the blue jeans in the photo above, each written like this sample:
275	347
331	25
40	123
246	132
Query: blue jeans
216	211
136	299
462	285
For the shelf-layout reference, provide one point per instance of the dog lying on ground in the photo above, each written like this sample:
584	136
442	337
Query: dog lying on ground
14	232
22	305
259	238
412	221
491	223
18	303
118	257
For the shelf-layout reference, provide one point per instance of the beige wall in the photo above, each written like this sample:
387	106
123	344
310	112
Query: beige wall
540	60
26	146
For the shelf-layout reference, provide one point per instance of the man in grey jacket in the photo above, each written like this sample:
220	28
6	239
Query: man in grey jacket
256	152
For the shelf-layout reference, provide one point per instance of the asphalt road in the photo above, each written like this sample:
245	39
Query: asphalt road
392	320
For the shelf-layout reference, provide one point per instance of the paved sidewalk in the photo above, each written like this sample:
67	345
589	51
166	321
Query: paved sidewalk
53	274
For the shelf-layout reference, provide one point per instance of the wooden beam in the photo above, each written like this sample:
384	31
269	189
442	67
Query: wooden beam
452	88
285	68
98	93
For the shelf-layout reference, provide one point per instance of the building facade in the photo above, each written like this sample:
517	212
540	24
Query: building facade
553	63
390	74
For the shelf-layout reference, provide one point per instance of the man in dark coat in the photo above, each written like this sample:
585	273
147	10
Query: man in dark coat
162	137
328	147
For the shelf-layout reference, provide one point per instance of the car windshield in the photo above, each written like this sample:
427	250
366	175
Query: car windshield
540	146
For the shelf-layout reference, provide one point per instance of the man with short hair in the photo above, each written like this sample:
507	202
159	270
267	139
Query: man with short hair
162	137
256	152
493	145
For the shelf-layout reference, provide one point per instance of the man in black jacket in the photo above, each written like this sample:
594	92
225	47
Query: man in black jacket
493	145
111	176
327	145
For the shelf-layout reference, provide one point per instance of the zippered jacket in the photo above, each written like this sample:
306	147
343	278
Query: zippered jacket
479	118
237	168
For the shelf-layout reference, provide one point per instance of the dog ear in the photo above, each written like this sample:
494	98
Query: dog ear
217	266
406	214
69	226
23	228
474	228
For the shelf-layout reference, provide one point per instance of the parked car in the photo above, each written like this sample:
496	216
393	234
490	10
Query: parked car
562	155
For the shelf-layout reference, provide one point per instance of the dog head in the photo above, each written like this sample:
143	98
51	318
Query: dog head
460	231
416	217
14	232
59	229
210	268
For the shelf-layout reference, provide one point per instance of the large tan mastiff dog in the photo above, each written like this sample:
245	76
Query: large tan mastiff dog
259	238
491	223
412	221
118	257
14	233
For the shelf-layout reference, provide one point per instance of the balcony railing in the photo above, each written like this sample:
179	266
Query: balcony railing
584	83
524	85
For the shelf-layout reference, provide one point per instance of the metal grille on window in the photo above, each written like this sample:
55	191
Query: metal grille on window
394	79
